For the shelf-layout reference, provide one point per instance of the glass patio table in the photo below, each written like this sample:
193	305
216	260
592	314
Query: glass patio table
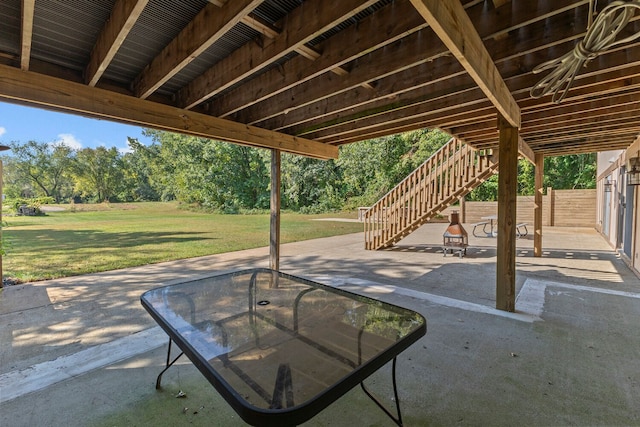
279	348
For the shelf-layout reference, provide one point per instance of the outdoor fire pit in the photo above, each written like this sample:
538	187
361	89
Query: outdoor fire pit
455	238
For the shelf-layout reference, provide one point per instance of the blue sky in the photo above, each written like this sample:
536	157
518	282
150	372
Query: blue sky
23	124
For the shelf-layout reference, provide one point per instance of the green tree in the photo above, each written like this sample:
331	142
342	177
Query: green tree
46	166
138	171
98	173
371	168
16	183
244	174
311	184
211	173
574	171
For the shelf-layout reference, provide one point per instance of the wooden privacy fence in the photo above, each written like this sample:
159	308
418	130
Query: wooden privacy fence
563	208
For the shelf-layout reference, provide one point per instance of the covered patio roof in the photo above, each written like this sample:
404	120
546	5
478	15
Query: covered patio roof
308	76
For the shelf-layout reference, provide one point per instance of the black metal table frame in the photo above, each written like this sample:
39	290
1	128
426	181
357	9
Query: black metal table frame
283	386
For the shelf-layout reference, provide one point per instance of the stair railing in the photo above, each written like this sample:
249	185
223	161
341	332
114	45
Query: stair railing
447	175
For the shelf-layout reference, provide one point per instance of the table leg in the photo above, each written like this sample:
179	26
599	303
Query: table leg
398	419
169	363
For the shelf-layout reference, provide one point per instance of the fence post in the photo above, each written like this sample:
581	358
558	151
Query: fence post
537	210
551	203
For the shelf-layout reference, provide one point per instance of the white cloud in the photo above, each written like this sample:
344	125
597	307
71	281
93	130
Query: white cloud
3	130
69	140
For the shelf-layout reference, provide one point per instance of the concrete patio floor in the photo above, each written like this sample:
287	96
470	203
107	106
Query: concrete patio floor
81	351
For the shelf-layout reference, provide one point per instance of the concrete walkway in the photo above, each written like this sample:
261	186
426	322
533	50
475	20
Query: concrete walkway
81	351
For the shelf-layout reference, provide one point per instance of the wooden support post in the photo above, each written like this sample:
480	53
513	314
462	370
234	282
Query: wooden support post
537	209
274	240
507	196
463	210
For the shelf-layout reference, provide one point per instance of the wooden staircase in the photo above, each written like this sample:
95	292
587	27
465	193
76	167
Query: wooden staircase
447	175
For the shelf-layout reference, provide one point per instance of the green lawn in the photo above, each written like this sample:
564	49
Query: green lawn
108	237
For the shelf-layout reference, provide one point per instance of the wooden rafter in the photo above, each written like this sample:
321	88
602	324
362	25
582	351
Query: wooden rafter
51	92
397	70
617	116
124	15
498	3
453	26
305	23
271	32
526	151
588	86
382	28
205	29
26	35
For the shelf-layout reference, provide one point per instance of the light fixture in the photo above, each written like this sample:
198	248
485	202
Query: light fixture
633	170
608	185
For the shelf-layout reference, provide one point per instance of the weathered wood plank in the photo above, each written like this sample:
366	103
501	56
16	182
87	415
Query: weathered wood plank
124	15
204	30
26	36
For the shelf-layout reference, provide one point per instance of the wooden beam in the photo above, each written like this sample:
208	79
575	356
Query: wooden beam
26	34
50	92
205	29
426	105
260	26
299	100
507	196
452	24
398	71
124	15
388	25
498	3
302	25
526	151
269	31
274	233
537	207
576	115
615	104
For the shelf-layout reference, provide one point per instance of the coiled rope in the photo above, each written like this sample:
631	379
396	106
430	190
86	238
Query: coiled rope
601	37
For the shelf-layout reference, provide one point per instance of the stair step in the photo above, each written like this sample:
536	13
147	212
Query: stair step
452	172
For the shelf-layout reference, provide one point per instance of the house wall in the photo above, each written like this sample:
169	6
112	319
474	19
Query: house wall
634	260
612	208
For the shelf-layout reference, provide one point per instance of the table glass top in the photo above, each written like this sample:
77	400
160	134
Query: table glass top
278	341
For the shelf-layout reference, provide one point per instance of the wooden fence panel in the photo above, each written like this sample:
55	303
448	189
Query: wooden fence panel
575	208
571	208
